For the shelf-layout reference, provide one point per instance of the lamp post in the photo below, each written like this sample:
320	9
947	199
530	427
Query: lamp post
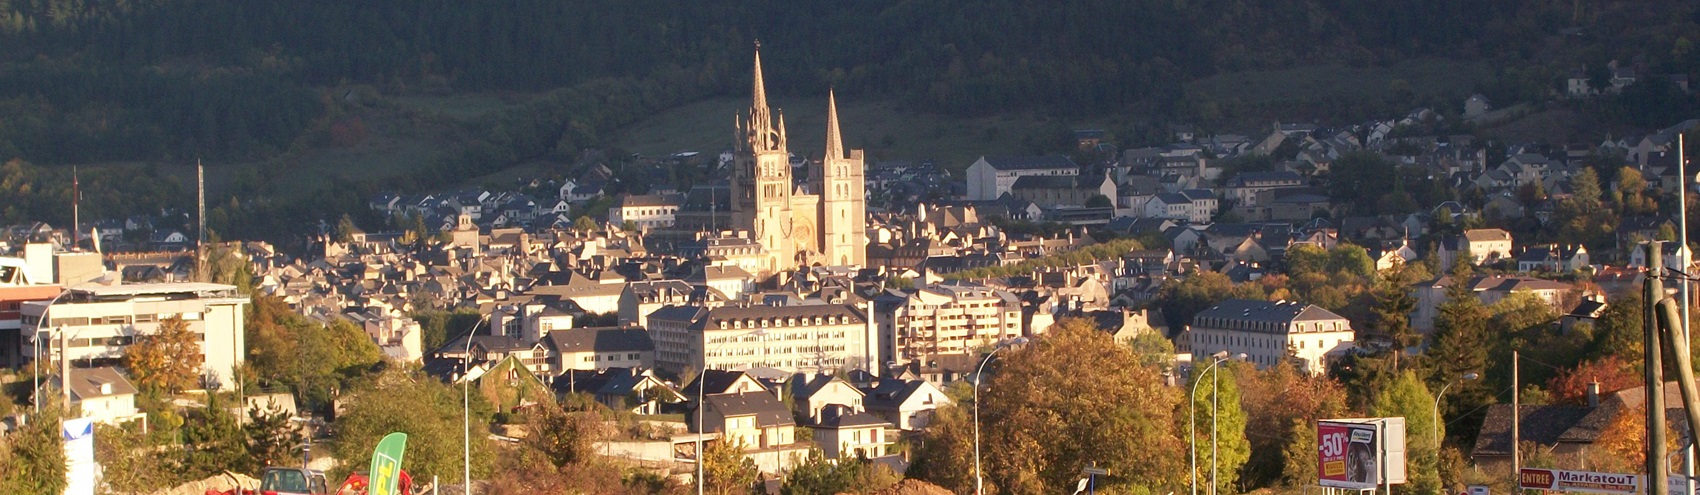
701	386
466	410
35	342
1192	421
977	374
1467	376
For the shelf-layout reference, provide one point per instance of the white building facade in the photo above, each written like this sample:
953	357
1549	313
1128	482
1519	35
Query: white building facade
100	322
1266	331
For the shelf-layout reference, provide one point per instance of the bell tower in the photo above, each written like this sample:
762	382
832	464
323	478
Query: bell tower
761	185
843	212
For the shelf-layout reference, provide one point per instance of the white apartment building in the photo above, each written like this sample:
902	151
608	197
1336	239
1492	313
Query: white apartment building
804	338
939	320
1265	331
98	322
646	211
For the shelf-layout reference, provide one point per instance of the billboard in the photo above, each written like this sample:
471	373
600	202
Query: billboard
1578	481
1360	453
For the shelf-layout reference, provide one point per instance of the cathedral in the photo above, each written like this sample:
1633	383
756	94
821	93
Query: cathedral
821	222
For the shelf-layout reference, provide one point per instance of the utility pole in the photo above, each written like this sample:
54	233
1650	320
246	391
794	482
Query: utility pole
1652	291
1516	417
1683	338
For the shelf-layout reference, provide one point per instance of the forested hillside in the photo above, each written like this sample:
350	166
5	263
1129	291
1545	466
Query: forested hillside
174	80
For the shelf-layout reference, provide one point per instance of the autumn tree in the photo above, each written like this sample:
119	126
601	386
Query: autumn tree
166	360
1622	445
727	471
1219	421
288	350
564	437
1075	397
1407	397
1610	372
945	454
1281	404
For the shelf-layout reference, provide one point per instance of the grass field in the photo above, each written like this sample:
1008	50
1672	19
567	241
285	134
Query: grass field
881	127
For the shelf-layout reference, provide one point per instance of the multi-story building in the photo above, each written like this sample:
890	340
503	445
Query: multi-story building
98	323
1244	188
947	320
1266	331
646	211
796	338
16	288
598	349
1489	289
992	176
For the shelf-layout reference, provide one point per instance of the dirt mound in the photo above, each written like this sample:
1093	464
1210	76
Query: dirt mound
912	487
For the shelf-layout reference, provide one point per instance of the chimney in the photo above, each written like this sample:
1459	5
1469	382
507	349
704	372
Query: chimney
1593	394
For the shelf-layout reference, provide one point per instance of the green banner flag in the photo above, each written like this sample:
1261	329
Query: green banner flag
386	464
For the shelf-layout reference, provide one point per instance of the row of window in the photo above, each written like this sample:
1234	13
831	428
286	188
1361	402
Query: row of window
79	321
611	357
785	322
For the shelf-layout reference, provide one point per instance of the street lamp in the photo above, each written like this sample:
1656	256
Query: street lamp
1192	420
701	385
466	410
1467	376
977	379
35	342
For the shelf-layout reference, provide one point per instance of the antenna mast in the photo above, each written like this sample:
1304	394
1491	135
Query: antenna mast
76	212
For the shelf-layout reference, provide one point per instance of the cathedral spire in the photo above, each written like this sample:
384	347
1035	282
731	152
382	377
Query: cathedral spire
760	128
834	142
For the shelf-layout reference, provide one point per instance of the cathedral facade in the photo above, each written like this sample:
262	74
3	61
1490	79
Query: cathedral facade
821	222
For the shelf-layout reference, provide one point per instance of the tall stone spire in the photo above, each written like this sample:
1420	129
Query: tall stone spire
834	142
761	120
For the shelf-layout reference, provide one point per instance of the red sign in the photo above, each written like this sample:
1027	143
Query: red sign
1578	481
1346	455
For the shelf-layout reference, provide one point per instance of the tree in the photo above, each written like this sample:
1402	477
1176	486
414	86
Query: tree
727	471
128	460
1461	343
1282	404
1409	398
271	439
1153	351
1071	398
1610	372
584	225
1217	406
944	456
1393	306
288	350
1618	331
1099	201
564	437
819	475
167	359
345	229
421	406
32	459
213	442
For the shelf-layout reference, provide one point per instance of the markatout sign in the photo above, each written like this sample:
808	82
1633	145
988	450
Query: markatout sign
1579	481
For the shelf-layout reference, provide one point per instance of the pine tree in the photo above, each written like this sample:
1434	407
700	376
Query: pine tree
1461	343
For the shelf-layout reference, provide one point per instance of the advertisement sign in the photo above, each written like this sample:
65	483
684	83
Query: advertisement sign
386	464
1346	453
1477	490
1578	481
1360	453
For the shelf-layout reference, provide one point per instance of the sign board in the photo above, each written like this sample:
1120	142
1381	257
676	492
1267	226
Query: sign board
1579	481
1095	471
1360	454
1477	490
386	464
81	470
